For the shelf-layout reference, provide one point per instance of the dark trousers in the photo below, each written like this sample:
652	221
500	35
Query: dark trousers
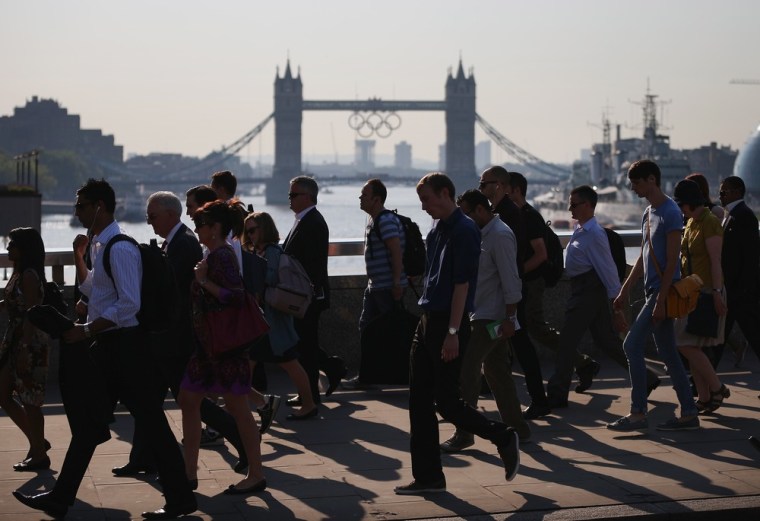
588	309
120	358
525	352
171	363
309	352
743	309
434	385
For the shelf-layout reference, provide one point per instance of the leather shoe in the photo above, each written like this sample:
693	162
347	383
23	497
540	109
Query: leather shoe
132	469
294	401
172	512
534	411
305	416
335	371
29	465
257	487
586	376
43	502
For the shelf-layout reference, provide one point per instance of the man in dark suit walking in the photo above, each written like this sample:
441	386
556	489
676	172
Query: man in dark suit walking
740	258
308	241
184	252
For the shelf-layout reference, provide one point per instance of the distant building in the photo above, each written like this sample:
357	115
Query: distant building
403	159
712	161
482	155
364	154
43	124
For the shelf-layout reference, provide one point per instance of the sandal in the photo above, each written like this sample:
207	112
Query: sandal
716	398
702	406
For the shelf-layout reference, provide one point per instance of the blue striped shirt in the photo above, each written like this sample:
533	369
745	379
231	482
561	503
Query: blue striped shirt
376	254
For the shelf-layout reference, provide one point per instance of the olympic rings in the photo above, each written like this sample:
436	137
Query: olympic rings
381	124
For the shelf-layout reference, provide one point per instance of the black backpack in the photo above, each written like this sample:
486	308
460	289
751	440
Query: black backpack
414	256
555	260
617	248
159	297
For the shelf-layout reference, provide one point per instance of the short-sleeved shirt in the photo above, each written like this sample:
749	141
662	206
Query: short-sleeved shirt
534	226
376	254
453	253
693	246
664	219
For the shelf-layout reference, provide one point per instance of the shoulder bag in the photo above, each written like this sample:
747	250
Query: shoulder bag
683	294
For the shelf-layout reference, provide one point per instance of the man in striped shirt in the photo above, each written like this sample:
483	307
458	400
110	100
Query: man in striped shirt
384	244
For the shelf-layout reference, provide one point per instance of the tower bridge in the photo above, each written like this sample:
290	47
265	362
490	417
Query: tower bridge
372	116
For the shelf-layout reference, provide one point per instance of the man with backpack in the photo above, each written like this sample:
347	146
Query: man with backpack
183	252
120	350
534	267
384	247
383	254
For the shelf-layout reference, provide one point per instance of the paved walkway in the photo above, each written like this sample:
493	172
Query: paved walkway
345	465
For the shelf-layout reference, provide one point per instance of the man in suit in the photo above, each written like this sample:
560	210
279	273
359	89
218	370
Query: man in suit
740	258
119	347
308	242
184	252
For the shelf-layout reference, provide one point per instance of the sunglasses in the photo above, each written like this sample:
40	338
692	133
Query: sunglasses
293	195
79	206
483	184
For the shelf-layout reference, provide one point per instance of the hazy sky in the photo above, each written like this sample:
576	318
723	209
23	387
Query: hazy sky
190	76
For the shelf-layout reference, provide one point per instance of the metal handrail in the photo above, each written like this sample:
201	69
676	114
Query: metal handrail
58	258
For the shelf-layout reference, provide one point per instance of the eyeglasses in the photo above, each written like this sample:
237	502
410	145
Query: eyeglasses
79	206
483	184
251	229
293	195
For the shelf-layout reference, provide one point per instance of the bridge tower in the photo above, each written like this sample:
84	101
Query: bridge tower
460	129
288	115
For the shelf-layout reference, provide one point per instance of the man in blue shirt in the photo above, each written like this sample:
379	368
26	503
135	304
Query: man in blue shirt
594	284
660	246
451	272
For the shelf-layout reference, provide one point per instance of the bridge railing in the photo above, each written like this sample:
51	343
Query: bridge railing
59	258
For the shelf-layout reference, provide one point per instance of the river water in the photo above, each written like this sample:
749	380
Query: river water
338	204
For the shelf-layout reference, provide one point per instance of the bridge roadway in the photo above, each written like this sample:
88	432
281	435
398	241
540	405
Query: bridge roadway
345	464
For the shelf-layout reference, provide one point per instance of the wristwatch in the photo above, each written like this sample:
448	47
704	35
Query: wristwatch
86	328
453	331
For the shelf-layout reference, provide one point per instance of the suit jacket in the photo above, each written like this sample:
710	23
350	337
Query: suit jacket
740	257
309	243
184	252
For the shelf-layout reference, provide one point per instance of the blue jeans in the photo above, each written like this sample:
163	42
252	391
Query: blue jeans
665	340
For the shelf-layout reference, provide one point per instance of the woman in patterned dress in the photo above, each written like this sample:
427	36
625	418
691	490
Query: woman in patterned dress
24	349
218	283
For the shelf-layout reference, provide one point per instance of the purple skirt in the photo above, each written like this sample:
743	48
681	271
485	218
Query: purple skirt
228	375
